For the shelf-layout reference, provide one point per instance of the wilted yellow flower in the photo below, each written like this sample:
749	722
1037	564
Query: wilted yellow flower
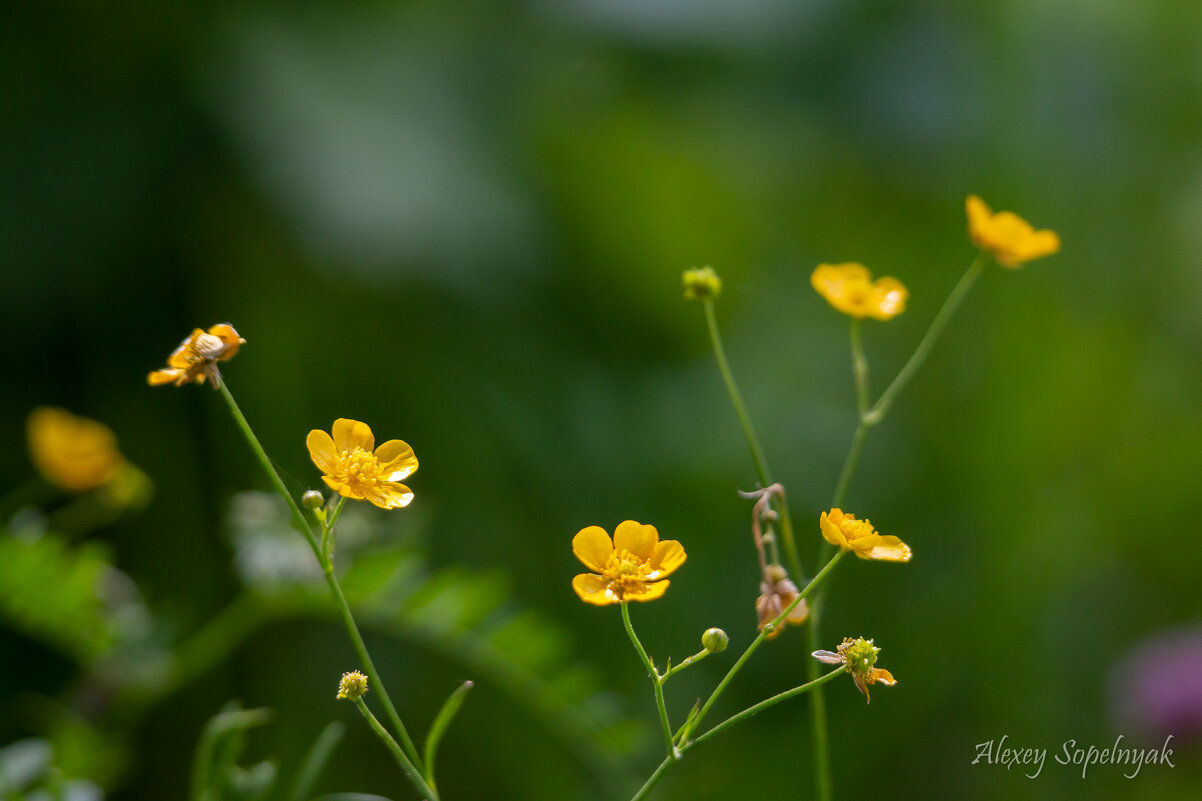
859	536
850	289
700	283
74	453
859	658
1009	237
355	471
353	685
196	357
631	567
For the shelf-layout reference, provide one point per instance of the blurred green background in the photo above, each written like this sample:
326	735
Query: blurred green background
465	224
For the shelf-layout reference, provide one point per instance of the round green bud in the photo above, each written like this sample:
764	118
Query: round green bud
313	500
701	283
715	640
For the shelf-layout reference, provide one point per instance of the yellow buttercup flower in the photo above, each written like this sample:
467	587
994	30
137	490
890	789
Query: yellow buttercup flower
1010	238
631	567
196	357
74	453
355	471
859	659
859	536
849	288
352	686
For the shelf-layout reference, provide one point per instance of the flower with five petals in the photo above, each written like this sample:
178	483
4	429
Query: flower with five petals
196	357
633	566
356	471
1010	238
850	289
859	536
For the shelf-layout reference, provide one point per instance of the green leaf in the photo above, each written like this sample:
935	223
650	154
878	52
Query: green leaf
220	745
441	721
316	759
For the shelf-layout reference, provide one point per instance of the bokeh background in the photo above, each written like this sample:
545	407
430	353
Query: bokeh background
465	224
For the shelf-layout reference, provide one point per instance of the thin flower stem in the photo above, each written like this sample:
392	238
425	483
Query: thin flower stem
750	711
814	582
859	366
753	442
327	566
923	350
656	681
692	660
410	769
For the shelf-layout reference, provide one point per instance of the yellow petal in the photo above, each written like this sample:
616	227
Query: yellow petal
979	213
351	434
830	528
593	589
321	450
883	676
388	495
160	377
183	356
669	555
1038	245
343	488
640	540
226	333
593	547
647	592
887	549
396	459
891	296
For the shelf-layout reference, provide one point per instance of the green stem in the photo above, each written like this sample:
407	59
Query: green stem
753	442
877	412
409	768
814	582
344	609
692	660
656	681
750	711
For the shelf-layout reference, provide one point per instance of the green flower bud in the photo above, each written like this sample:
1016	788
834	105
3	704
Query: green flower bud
313	500
701	283
715	640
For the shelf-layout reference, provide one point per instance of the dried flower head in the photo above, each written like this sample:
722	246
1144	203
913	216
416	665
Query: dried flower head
196	357
849	288
777	591
633	566
355	471
1010	238
74	453
858	657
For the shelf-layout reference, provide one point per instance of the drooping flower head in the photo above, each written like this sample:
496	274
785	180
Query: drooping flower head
850	289
74	453
355	471
859	536
858	657
1010	238
633	566
196	357
777	591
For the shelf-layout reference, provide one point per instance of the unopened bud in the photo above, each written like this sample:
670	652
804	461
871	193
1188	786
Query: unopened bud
701	283
715	640
313	499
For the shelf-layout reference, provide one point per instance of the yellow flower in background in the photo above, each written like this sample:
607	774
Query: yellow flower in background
850	289
1010	238
631	567
859	659
356	471
859	536
701	283
74	453
196	357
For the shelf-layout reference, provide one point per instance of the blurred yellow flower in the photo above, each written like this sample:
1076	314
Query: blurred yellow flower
355	471
859	536
631	567
1010	238
73	453
859	658
196	357
850	289
701	283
